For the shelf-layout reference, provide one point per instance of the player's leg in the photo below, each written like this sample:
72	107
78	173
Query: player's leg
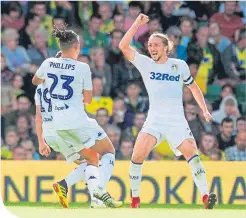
105	148
144	144
189	150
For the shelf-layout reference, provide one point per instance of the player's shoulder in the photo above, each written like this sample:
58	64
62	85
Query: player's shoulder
177	61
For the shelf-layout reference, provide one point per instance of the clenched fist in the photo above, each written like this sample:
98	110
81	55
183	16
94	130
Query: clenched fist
141	19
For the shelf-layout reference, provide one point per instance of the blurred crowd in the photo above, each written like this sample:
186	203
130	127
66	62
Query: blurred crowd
209	35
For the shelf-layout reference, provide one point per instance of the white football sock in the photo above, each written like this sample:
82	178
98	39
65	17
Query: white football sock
199	174
76	175
106	167
92	177
135	178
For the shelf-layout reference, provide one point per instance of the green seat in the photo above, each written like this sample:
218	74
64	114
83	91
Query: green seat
241	92
213	92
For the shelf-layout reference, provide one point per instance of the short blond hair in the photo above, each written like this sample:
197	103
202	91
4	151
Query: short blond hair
165	39
9	34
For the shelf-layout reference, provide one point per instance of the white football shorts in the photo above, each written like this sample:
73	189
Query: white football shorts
74	140
174	132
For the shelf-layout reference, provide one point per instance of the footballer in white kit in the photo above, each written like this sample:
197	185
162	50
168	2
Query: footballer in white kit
70	87
164	79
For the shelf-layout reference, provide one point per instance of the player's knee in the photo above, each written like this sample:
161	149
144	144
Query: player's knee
138	158
92	159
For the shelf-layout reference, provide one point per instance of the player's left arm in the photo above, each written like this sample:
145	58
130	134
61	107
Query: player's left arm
39	75
197	93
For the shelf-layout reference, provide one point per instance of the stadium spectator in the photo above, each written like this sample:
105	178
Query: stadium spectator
225	138
122	73
186	27
178	51
134	102
228	21
114	134
118	117
61	9
13	18
33	22
59	22
228	108
105	10
102	117
191	114
135	8
39	51
182	9
100	68
11	141
153	26
126	149
15	90
99	101
208	57
30	150
92	36
19	153
84	58
17	57
227	90
208	141
40	8
138	122
23	106
216	154
234	58
23	124
216	38
113	53
238	151
167	17
119	21
208	126
241	124
84	11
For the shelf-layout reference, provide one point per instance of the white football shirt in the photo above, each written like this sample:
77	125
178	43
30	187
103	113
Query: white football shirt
42	98
66	79
164	84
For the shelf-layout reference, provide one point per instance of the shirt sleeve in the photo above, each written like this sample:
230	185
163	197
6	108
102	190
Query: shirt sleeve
186	76
87	79
41	71
141	62
37	97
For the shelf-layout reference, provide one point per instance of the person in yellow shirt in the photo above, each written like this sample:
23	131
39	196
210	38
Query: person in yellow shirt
207	146
99	101
107	25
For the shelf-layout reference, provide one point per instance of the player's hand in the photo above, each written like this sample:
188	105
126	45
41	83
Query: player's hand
207	116
44	149
141	19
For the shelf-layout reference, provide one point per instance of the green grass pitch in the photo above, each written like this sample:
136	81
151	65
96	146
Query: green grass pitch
76	210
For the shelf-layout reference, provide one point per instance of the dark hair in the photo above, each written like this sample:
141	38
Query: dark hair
192	60
230	86
22	95
133	82
241	118
153	17
186	18
117	31
30	16
226	120
66	37
136	4
97	16
15	6
84	55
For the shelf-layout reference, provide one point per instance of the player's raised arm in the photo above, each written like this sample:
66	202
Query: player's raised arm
124	45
